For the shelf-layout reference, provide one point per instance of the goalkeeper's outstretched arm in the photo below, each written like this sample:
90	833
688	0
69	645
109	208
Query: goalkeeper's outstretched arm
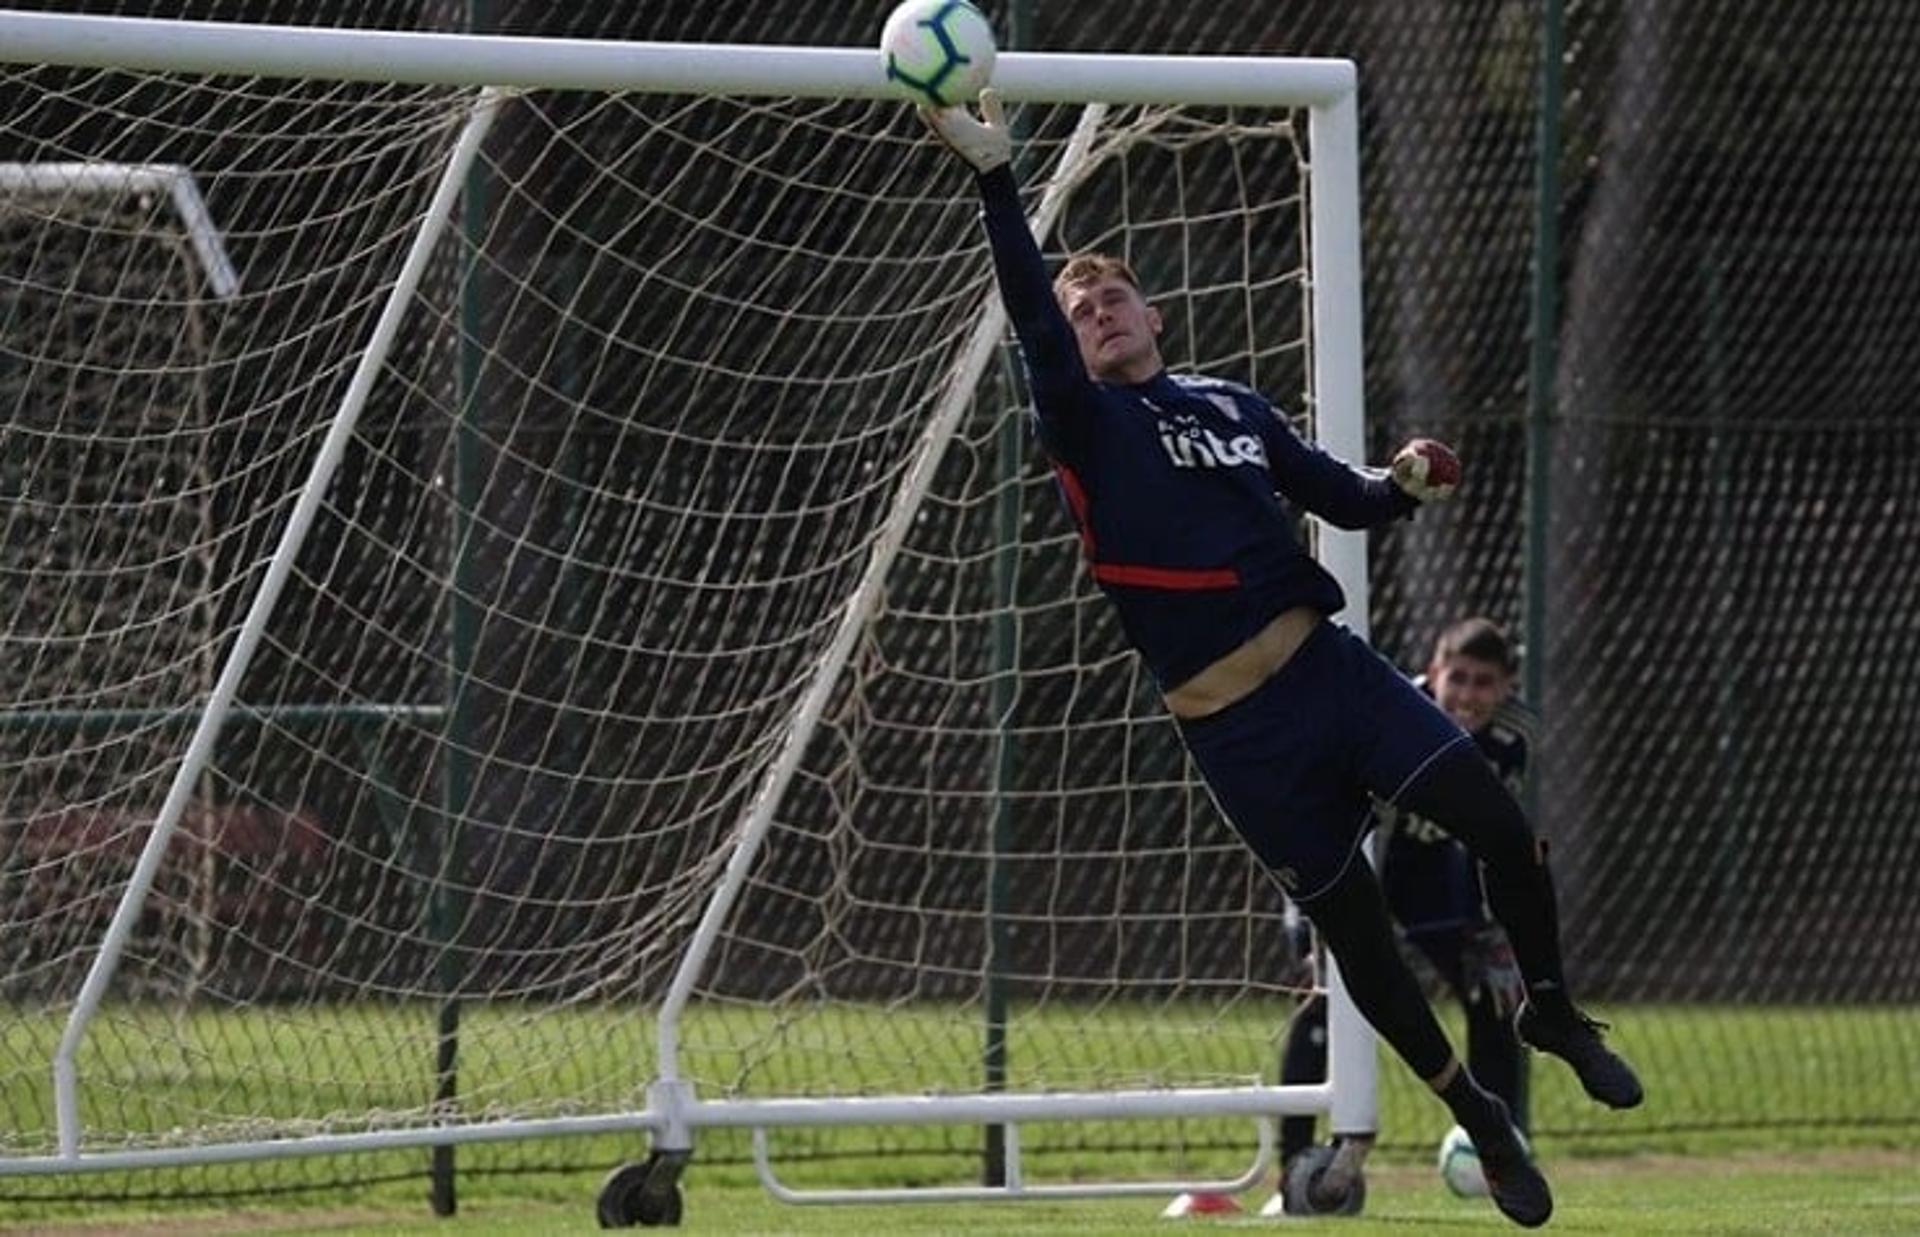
1055	368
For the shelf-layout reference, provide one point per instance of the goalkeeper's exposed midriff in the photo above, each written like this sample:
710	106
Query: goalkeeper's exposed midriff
1234	676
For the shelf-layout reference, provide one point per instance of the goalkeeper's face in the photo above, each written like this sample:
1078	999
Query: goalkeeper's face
1468	689
1118	332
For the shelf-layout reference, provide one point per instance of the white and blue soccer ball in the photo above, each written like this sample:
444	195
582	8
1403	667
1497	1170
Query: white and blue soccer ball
1460	1164
938	52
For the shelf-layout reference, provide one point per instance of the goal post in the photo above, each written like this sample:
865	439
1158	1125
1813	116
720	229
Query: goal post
727	348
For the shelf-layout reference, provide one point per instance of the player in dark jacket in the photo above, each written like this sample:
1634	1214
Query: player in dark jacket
1433	886
1181	490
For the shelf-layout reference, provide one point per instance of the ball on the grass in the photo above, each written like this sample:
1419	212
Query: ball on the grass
1460	1164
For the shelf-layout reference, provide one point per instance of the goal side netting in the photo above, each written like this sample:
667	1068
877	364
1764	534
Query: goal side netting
568	603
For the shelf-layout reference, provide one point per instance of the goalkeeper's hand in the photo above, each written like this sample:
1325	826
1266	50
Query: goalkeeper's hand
1426	469
1490	970
983	143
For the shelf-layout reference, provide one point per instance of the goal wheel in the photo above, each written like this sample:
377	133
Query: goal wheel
1304	1190
645	1194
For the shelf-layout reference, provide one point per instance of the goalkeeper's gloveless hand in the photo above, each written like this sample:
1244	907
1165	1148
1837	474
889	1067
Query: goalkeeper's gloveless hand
1426	469
983	143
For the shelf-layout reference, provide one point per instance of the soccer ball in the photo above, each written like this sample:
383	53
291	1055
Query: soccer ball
1460	1164
937	52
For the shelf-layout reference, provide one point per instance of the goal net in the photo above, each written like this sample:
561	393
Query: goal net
576	604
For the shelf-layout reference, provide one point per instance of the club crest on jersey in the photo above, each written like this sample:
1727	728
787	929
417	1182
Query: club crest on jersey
1194	447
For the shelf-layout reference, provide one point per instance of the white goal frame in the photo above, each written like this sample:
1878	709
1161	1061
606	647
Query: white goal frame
115	180
491	65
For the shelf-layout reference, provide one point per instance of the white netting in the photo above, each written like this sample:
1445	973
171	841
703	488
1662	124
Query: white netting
600	520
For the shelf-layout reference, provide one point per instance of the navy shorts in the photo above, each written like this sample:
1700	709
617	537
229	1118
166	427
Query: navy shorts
1292	764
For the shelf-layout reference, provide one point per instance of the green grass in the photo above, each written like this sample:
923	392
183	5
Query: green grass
1815	1193
1758	1120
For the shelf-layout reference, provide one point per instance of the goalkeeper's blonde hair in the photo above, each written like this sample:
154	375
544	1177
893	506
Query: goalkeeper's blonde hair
1085	268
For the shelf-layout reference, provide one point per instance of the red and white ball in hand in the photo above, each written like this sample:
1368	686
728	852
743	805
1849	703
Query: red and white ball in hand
1426	469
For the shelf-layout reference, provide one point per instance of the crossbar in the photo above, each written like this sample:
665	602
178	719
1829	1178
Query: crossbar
434	58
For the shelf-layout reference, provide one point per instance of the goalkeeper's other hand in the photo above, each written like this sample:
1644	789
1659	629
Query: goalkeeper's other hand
1426	469
1490	969
983	143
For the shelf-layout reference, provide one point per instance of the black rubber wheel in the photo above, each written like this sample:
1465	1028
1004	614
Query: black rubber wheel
1301	1189
630	1196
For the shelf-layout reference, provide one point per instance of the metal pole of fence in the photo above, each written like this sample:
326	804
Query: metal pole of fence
1541	370
1006	664
447	909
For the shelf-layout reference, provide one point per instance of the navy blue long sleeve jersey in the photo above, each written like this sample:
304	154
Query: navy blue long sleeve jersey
1178	484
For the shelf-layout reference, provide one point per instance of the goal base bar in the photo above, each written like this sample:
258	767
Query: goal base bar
1016	1188
999	1108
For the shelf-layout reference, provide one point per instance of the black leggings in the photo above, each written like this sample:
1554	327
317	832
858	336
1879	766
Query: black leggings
1460	793
1351	917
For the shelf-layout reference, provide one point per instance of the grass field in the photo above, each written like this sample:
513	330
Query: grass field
1841	1193
1767	1120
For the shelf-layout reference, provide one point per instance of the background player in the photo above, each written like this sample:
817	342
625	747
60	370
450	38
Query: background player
1433	886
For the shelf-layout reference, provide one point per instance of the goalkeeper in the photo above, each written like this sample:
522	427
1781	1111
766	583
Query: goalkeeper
1433	889
1179	487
